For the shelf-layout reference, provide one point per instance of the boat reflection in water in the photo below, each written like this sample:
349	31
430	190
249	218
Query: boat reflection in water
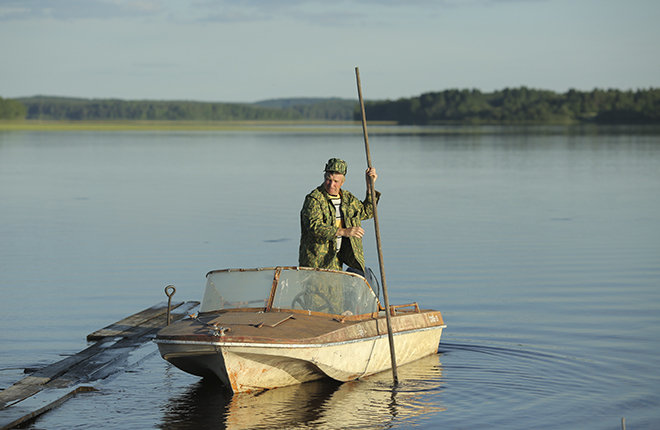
371	402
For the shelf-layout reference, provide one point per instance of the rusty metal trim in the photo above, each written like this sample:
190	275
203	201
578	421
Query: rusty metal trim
361	317
294	345
312	269
414	305
273	288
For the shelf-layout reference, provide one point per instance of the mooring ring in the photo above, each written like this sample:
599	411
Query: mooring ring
170	290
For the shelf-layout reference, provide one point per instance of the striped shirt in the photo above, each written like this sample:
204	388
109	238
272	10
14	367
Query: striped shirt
336	201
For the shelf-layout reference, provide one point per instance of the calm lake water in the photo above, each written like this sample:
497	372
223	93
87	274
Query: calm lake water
541	247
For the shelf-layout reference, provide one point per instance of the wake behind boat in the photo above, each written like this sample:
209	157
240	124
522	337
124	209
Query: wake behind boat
272	327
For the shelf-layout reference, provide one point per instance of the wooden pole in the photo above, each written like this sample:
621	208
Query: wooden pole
377	228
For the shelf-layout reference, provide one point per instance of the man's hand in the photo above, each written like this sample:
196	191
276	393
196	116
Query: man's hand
371	172
350	232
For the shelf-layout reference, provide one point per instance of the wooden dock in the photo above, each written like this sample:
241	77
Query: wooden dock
49	387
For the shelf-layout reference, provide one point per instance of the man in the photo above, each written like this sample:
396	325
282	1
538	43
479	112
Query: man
331	232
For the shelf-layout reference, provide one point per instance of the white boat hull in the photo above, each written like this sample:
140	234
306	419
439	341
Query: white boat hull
257	366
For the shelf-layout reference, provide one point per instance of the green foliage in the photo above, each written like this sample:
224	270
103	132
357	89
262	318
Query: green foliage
520	105
56	108
11	109
507	106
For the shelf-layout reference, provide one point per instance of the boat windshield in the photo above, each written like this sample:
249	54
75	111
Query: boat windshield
324	291
226	289
313	290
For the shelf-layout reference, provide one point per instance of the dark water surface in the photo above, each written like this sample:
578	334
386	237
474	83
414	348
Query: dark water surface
542	250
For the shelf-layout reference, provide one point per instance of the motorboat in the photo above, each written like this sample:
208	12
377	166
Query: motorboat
264	328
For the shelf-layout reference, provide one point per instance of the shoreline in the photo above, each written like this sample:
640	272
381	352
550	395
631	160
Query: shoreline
321	127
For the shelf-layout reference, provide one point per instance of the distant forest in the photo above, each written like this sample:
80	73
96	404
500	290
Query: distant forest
507	106
11	109
521	105
74	109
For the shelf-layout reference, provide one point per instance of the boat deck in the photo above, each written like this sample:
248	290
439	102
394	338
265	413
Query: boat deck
289	327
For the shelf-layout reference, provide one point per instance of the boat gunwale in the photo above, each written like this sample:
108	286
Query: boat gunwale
335	317
174	341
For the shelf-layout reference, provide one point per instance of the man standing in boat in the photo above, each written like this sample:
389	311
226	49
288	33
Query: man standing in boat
330	222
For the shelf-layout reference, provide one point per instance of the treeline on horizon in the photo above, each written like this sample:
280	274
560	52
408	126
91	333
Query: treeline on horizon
507	106
522	105
78	109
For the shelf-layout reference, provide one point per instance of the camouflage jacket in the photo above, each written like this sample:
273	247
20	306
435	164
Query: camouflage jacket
318	231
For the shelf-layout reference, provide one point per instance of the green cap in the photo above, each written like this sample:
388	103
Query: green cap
336	165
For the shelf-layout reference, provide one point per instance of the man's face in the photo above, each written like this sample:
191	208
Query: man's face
333	183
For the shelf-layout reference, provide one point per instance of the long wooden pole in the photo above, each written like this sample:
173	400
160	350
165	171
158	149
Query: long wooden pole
377	228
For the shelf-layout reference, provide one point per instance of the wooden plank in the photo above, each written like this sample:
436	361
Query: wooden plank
92	363
36	381
38	404
286	318
121	327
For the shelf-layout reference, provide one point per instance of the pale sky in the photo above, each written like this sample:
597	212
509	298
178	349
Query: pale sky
251	50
